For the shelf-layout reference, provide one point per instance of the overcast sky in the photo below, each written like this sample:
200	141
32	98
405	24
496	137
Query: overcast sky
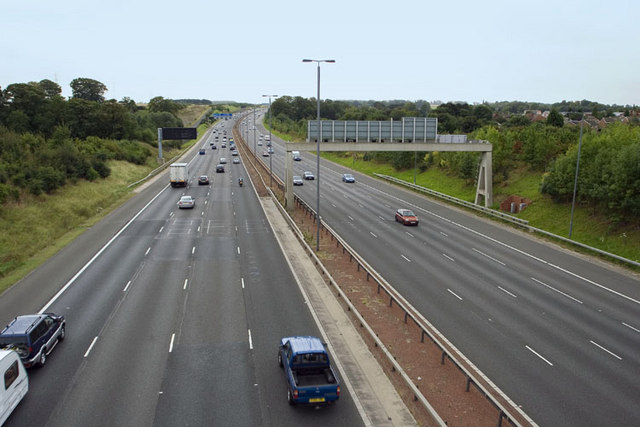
466	50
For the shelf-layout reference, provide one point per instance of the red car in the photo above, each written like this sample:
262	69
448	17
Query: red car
406	217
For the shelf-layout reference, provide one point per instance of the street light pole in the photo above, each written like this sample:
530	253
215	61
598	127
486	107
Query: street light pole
270	144
318	137
254	131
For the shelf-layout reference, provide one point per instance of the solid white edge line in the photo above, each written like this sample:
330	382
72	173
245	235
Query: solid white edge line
90	346
250	340
604	349
127	286
557	290
454	294
513	248
336	360
173	337
537	354
106	245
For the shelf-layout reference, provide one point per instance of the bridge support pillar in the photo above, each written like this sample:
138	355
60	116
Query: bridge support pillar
485	180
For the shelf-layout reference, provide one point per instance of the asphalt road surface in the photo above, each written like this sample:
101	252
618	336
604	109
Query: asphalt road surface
176	321
558	332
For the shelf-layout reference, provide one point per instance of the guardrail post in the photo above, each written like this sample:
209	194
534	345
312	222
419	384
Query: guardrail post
444	354
468	383
390	300
406	314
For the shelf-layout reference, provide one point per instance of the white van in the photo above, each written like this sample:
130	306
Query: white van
296	156
15	383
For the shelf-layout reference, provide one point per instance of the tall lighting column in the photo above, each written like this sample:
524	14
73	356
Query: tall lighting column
318	136
270	144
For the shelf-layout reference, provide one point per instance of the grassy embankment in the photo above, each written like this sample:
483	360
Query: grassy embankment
588	228
36	227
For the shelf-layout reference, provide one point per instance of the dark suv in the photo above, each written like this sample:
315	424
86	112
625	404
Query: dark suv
33	336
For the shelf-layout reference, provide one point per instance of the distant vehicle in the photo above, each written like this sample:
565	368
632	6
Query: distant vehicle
203	180
296	156
179	174
186	202
33	337
223	160
16	383
265	154
223	145
202	151
347	177
297	180
406	217
308	175
234	153
236	160
213	146
220	169
270	150
260	143
310	377
267	137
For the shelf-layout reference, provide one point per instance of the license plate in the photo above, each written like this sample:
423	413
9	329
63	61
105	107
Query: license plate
316	399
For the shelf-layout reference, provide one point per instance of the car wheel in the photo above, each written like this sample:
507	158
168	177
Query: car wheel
290	397
43	358
280	360
61	337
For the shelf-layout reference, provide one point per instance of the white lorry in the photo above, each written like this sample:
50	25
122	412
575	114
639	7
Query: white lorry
179	174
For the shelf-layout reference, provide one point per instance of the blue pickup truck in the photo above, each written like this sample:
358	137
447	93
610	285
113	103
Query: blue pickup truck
310	377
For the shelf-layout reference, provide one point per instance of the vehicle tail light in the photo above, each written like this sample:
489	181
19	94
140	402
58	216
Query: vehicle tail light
338	391
295	394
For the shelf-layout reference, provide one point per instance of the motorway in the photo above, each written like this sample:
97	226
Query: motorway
176	320
558	332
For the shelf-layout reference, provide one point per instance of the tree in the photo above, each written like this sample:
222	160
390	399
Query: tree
88	89
51	89
555	118
159	104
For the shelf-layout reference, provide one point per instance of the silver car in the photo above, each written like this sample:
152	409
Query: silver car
186	202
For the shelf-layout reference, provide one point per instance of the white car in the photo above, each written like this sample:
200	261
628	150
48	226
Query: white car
297	180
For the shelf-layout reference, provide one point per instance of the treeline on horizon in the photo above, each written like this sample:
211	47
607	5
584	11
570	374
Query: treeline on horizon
47	140
609	179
